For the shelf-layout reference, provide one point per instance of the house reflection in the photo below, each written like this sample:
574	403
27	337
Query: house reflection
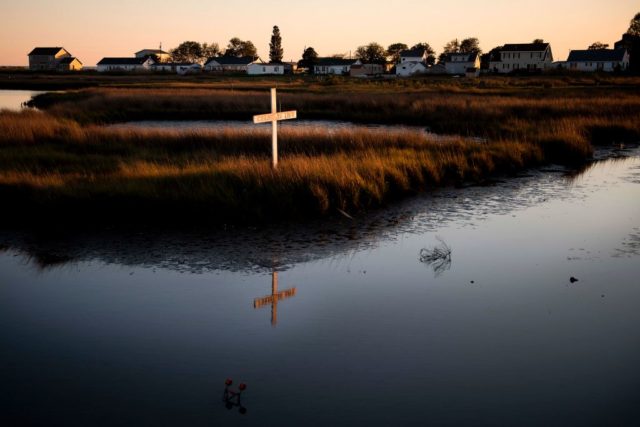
274	298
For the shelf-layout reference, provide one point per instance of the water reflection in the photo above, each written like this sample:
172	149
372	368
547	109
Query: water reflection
438	257
103	341
338	238
233	398
273	299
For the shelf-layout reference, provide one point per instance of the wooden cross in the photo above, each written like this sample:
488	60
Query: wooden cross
273	117
274	298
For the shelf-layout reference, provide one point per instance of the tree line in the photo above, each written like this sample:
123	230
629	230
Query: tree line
372	53
191	51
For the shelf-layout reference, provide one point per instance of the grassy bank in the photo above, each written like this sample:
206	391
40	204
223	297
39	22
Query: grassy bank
487	113
57	168
64	163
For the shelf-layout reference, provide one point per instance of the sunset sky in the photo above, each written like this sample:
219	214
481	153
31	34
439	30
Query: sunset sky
92	29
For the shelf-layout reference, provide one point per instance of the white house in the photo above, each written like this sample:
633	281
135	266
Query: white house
460	63
257	69
528	56
410	68
125	64
181	68
413	55
229	64
598	60
336	66
188	68
158	53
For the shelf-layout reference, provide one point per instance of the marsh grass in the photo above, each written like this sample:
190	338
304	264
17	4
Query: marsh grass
62	162
56	166
520	114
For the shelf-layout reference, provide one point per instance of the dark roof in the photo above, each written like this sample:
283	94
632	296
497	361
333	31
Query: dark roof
470	57
122	61
596	55
276	64
153	51
414	53
174	64
68	60
334	61
45	51
232	60
525	47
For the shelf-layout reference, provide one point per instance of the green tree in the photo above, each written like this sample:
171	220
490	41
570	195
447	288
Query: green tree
309	58
238	47
470	45
393	51
188	51
372	53
431	54
452	47
210	50
598	46
275	46
634	26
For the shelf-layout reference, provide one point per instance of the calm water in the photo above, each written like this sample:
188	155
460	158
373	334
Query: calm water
197	125
142	328
13	99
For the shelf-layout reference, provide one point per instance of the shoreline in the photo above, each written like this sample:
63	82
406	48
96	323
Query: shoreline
60	166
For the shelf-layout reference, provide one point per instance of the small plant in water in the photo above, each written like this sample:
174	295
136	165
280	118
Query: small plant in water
438	257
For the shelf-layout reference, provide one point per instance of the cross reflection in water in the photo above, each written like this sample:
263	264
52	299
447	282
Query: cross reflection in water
274	298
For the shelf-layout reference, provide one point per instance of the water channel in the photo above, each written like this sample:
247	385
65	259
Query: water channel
204	125
14	99
514	303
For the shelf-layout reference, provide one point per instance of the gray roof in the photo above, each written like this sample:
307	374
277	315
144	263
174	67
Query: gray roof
122	61
413	53
174	64
470	57
598	55
525	47
232	60
153	51
326	62
46	51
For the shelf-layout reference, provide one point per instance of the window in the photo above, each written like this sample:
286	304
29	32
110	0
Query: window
276	69
264	69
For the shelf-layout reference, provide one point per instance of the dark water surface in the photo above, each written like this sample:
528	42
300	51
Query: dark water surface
142	328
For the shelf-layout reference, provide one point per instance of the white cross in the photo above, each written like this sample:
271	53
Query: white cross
273	117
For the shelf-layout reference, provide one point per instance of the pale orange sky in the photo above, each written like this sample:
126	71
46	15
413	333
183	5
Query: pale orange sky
92	29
